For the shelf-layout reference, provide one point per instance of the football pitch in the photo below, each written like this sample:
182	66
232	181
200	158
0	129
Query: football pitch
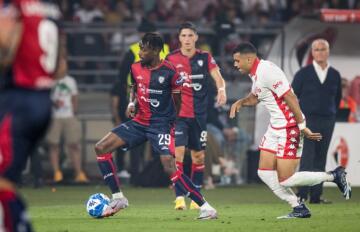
246	208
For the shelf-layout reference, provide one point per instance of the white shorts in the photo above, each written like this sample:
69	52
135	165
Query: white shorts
286	143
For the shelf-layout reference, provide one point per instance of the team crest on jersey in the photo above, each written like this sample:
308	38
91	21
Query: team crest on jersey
161	79
200	63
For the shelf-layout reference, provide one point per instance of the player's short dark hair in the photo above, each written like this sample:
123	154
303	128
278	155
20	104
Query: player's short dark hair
187	25
153	40
245	48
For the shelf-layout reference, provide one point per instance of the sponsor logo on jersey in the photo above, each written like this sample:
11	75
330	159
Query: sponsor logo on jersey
195	86
277	84
153	102
181	79
179	66
161	79
164	148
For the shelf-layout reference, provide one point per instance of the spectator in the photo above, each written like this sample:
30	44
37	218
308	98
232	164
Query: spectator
347	102
318	88
66	125
355	93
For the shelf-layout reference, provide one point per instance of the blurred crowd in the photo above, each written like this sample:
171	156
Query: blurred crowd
205	11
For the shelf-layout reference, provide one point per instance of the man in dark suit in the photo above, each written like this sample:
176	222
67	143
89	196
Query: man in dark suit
318	88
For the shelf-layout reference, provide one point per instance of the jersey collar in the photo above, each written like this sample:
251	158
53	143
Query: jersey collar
254	67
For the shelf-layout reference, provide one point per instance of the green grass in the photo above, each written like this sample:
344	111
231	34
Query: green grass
249	208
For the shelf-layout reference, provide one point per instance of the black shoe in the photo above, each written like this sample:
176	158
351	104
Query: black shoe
320	201
341	181
300	211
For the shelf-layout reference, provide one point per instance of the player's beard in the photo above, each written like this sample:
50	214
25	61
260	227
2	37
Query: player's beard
145	62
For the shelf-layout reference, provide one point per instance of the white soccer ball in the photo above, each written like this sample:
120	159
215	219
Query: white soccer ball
96	205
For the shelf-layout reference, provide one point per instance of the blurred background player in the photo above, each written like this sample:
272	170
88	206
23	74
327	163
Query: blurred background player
281	146
196	67
65	125
119	102
347	103
318	88
154	81
25	105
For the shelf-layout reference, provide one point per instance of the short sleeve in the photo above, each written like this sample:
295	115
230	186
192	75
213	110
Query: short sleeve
72	85
132	79
276	81
211	62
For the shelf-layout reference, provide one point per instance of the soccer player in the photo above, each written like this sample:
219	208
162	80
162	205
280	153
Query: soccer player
29	40
153	83
196	67
281	146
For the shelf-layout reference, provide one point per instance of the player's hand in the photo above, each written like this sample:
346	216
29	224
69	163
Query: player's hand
221	98
235	108
311	135
130	111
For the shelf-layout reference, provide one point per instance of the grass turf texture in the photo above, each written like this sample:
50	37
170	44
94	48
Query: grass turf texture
248	208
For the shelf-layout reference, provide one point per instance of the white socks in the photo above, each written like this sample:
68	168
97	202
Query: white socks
117	195
307	179
206	206
270	178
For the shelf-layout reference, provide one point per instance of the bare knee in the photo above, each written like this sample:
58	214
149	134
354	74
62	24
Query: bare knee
99	148
198	157
168	165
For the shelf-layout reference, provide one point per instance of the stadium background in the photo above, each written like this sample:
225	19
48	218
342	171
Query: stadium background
100	32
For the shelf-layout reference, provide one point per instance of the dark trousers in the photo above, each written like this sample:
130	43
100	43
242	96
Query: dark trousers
314	154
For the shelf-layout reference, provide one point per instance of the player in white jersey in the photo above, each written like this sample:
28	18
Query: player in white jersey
281	146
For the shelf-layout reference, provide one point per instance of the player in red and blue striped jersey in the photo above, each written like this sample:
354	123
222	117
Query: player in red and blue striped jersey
29	52
196	67
154	83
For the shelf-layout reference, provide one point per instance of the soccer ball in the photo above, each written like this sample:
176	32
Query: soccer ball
96	205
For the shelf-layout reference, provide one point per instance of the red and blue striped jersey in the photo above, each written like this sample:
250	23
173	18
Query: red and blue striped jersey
36	58
196	72
154	88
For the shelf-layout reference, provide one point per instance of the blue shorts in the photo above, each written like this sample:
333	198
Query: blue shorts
160	136
24	118
191	133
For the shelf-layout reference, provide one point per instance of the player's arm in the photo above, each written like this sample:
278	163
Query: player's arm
177	100
176	85
249	100
10	34
293	104
220	85
130	111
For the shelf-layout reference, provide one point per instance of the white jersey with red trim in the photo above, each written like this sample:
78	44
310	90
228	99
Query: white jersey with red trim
270	85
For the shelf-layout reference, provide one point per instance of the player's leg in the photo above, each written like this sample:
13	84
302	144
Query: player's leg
181	141
268	168
287	165
187	188
197	172
197	144
13	210
127	134
106	165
